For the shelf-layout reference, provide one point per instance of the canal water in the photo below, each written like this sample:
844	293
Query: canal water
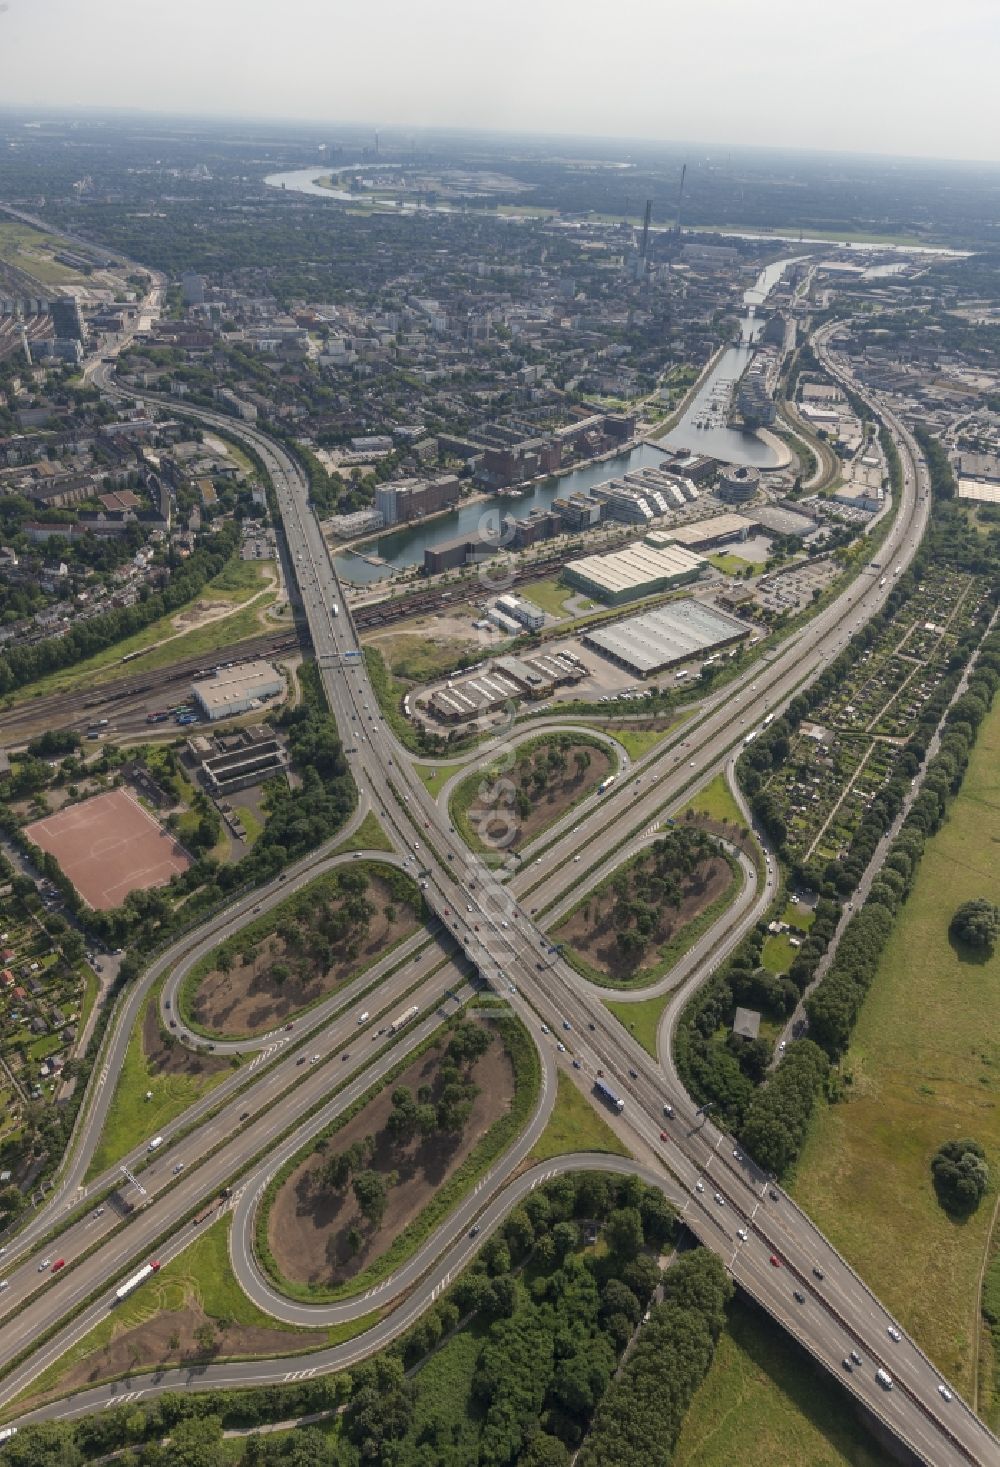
703	428
405	546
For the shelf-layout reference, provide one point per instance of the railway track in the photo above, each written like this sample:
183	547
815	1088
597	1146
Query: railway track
73	710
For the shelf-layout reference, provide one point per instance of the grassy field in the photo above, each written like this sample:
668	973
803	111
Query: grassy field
638	741
369	836
925	1066
435	776
716	801
420	657
549	595
235	584
201	1274
131	1117
575	1125
778	954
763	1405
641	1019
32	251
730	565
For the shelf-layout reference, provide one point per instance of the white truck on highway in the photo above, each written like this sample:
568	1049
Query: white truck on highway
146	1272
155	1144
406	1017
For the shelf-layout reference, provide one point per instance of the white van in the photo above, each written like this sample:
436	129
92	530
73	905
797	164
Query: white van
884	1379
363	1018
155	1144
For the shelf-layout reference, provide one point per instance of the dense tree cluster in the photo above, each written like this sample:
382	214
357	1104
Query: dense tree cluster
977	925
655	881
961	1176
779	1113
640	1417
723	1073
942	477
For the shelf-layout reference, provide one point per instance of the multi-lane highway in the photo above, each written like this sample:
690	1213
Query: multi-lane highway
782	1255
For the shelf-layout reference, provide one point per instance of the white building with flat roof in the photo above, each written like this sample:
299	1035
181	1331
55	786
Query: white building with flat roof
234	690
638	570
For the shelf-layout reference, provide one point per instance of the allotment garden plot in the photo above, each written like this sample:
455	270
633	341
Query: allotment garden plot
842	756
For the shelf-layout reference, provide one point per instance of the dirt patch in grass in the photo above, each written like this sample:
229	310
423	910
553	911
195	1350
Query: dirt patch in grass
427	647
172	1339
533	796
591	929
309	1221
167	1056
254	996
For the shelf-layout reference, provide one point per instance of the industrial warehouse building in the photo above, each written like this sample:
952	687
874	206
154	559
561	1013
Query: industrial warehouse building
234	690
524	612
670	634
721	529
505	680
638	570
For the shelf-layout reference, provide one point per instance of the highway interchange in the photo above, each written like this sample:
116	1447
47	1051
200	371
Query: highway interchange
232	1132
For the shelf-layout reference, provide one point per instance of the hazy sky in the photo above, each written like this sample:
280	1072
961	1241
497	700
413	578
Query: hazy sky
885	76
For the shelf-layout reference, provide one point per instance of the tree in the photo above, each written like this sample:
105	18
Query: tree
624	1232
545	1451
371	1192
49	1444
961	1176
196	1442
977	925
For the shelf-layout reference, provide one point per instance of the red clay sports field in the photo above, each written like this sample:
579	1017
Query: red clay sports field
109	846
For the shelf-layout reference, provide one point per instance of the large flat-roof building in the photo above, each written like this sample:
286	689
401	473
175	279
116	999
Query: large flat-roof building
235	690
670	634
721	529
638	570
505	680
978	491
